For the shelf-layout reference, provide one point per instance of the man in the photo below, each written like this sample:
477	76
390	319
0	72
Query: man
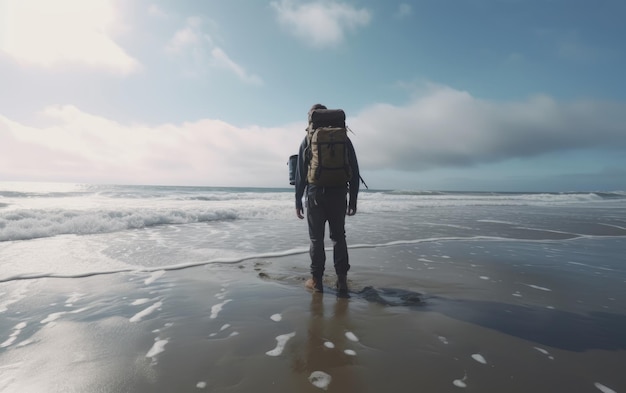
326	204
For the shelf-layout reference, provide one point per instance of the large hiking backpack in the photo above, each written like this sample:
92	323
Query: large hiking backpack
327	136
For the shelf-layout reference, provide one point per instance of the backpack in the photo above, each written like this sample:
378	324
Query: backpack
327	144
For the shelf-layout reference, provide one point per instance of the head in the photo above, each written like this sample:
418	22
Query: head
314	107
317	106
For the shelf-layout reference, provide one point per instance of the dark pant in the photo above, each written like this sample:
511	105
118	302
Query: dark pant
327	204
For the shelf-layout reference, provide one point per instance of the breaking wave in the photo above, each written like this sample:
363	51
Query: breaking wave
32	224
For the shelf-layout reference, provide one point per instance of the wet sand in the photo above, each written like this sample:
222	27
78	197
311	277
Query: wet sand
449	316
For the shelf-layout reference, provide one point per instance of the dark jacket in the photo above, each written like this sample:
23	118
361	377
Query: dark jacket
301	175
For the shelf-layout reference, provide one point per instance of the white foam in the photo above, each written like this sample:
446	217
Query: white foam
497	222
19	293
8	342
281	341
17	329
484	277
225	260
56	315
139	302
443	339
216	309
329	344
201	385
545	352
20	326
26	342
40	223
224	327
517	294
459	383
351	336
74	297
144	313
220	295
590	266
548	230
276	317
157	348
233	334
349	352
538	287
479	358
603	389
320	379
154	276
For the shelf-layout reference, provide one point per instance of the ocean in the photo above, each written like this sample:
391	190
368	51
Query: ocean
84	228
484	291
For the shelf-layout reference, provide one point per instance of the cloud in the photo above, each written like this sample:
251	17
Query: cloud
185	38
221	59
445	127
54	33
404	10
442	129
79	146
320	23
202	52
156	11
568	45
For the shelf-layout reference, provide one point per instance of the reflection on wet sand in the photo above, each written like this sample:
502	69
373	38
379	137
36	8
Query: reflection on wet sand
328	355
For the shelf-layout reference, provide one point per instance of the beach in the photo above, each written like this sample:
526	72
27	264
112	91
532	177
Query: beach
131	289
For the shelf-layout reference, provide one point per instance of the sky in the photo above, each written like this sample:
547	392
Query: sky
451	95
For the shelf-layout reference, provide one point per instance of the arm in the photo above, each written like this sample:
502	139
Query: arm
355	181
301	178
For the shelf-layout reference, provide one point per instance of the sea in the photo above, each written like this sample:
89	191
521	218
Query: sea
135	288
58	229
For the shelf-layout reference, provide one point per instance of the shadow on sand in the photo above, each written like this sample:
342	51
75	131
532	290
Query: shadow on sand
555	328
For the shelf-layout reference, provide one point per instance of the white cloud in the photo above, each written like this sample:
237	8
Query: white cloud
192	42
442	128
404	10
221	59
187	37
445	127
320	23
569	45
52	33
78	146
156	11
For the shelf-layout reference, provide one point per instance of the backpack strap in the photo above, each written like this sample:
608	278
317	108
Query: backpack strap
363	181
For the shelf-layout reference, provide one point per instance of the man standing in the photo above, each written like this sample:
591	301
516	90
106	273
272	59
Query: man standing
328	171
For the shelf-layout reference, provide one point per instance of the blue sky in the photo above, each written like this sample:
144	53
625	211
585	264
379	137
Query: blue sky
490	95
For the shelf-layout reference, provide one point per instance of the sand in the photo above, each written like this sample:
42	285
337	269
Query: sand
449	316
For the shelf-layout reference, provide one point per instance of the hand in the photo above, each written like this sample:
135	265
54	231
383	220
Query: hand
300	213
351	211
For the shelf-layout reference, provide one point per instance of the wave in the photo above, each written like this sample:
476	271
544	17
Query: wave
275	254
530	197
32	224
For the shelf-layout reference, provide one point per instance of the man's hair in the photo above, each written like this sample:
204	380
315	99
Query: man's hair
314	107
317	106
